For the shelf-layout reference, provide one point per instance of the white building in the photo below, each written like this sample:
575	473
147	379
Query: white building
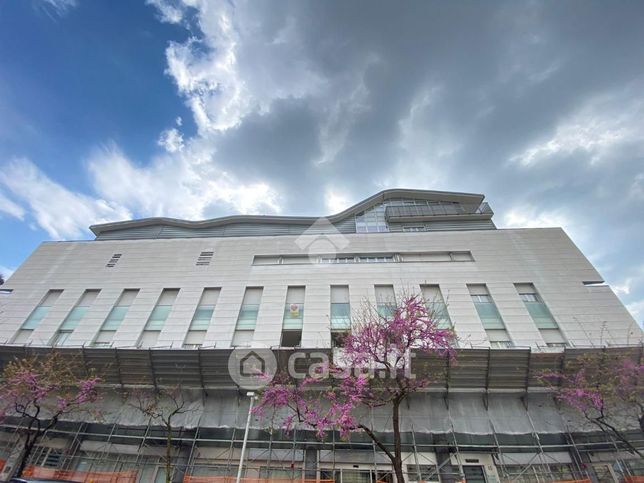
171	297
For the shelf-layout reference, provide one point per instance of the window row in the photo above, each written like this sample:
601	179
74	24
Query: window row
458	256
293	315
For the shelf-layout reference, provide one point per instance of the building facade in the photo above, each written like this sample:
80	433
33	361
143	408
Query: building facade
173	298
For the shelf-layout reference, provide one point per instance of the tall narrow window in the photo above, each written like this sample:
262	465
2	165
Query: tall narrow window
113	321
490	317
541	316
201	319
385	300
340	313
247	317
436	306
36	316
293	317
157	318
74	317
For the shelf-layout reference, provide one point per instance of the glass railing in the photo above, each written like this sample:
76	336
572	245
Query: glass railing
437	210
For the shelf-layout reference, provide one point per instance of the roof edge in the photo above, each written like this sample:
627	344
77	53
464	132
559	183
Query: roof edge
352	210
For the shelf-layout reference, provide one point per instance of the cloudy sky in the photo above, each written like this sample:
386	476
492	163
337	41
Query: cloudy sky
196	109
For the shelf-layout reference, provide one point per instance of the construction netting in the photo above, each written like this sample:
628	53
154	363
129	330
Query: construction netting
81	476
232	479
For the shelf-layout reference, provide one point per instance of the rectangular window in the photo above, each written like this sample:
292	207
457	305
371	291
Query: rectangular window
293	317
541	316
294	308
385	300
490	316
247	318
36	316
201	319
74	317
422	473
340	308
114	318
376	259
436	306
157	318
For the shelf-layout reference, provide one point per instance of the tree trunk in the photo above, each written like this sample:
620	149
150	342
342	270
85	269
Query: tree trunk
168	454
397	459
28	447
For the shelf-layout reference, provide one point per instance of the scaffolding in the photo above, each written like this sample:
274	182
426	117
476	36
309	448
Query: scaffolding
273	453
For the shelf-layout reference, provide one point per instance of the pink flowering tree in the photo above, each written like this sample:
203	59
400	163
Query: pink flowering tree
40	391
605	388
372	369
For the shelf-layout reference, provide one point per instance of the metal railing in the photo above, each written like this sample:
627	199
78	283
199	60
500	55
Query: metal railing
407	211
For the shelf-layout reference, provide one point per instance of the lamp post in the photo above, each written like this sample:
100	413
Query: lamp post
251	395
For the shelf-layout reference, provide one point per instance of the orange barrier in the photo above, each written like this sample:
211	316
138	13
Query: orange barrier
232	479
634	479
2	463
81	476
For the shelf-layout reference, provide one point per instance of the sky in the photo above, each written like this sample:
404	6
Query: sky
113	110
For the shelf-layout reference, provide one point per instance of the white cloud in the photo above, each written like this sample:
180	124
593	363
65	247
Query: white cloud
637	310
234	68
169	11
527	216
171	140
184	184
58	211
59	7
6	272
597	129
336	202
11	208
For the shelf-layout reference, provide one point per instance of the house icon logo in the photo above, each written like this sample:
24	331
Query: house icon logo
321	239
252	368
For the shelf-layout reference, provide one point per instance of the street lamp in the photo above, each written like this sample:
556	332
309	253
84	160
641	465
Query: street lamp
251	395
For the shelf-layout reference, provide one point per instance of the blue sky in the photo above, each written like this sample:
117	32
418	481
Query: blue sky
201	108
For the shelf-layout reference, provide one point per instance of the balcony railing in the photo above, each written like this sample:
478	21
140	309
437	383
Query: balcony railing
413	211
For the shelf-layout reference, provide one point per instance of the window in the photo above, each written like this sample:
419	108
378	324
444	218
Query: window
201	319
436	306
414	228
490	317
114	318
422	473
541	316
337	260
247	318
385	300
36	316
157	318
340	308
74	317
293	317
377	259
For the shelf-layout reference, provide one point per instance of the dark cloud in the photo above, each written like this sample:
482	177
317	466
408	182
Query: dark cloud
456	97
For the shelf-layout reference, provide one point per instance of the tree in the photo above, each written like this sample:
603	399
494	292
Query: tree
373	370
162	405
40	391
1	279
606	388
